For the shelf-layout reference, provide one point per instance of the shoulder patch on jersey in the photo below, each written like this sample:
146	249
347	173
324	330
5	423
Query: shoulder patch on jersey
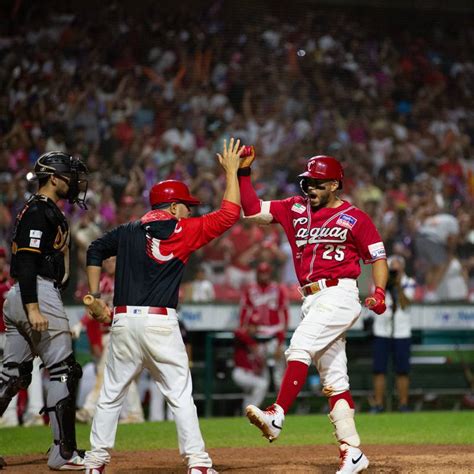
35	243
36	234
299	208
377	250
347	221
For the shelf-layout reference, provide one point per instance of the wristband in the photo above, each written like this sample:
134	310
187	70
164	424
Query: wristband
243	171
97	294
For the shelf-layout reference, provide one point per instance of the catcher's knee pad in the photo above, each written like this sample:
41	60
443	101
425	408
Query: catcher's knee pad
67	371
11	384
63	408
342	417
299	355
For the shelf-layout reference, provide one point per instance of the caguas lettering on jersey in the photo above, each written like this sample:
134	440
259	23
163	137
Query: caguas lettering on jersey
329	242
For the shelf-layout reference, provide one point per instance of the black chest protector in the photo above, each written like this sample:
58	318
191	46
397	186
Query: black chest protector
42	228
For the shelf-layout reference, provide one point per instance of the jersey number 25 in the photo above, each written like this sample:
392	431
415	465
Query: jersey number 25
334	252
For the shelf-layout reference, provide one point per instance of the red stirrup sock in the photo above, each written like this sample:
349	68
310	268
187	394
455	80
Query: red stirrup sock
341	396
293	381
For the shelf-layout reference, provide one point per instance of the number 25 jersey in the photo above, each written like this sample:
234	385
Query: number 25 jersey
328	242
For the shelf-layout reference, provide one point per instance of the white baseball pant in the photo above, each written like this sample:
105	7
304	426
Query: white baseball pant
133	407
319	337
138	341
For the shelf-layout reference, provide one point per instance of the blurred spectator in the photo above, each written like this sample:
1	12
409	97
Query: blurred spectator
245	238
465	248
266	304
454	281
200	289
392	336
250	371
84	229
400	118
436	236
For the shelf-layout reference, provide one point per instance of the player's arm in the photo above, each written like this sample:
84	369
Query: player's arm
230	161
201	230
29	245
101	249
372	251
28	264
376	301
380	273
98	251
255	210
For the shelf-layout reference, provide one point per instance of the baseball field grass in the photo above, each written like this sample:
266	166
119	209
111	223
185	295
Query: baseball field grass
423	428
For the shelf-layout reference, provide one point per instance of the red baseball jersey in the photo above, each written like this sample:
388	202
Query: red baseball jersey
328	242
153	251
266	306
246	355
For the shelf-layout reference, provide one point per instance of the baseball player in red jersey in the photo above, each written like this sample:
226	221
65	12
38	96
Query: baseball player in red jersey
328	237
250	371
151	256
268	300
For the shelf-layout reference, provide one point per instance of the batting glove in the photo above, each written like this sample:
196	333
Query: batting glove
247	156
376	301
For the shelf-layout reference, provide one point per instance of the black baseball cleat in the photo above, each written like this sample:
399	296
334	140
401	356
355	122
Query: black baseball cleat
2	463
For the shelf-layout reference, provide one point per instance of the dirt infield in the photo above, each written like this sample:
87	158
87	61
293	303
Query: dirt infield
280	459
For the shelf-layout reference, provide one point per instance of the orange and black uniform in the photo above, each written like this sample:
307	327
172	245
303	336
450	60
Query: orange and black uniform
40	246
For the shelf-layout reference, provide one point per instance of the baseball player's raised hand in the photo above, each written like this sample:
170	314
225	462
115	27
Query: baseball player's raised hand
376	301
230	158
37	320
247	156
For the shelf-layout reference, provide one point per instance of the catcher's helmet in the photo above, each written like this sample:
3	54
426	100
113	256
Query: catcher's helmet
71	169
324	168
171	191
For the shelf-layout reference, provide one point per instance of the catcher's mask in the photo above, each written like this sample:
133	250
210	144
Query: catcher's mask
321	168
166	192
71	170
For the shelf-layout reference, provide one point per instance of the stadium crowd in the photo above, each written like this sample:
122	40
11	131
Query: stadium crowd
146	96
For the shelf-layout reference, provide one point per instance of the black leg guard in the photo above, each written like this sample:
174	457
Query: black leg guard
10	384
68	372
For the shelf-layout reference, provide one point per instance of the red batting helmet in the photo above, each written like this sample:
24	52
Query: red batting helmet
324	167
171	191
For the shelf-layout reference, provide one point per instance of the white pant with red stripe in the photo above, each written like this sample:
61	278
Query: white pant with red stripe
319	337
154	341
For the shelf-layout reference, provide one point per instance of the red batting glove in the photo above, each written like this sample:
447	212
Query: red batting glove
376	302
247	156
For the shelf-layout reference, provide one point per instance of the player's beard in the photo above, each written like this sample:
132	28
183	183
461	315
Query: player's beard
62	194
322	201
